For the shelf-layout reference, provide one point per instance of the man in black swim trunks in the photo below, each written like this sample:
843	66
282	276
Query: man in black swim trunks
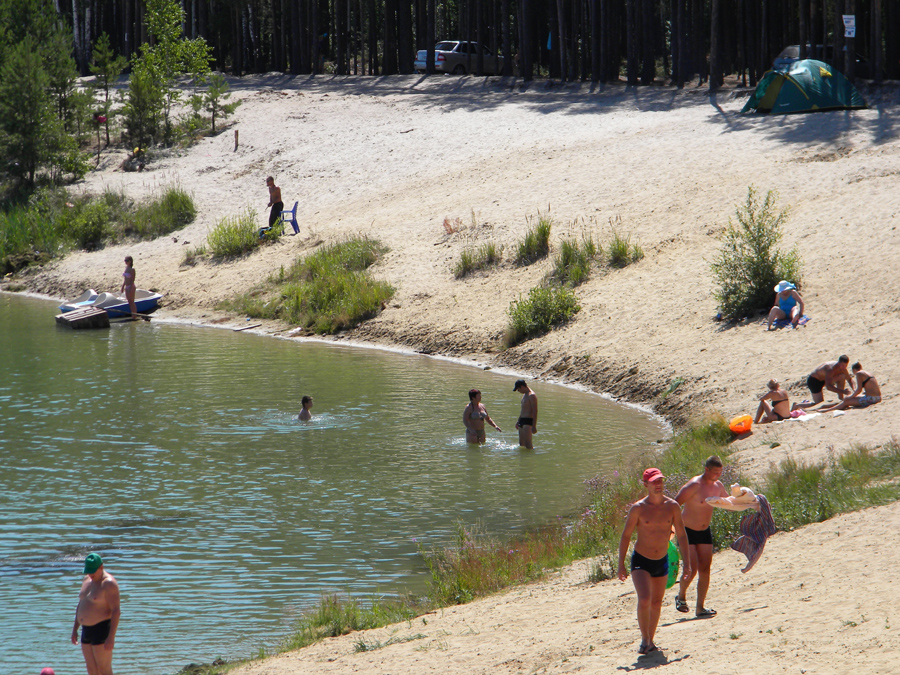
697	515
827	376
98	615
653	517
527	422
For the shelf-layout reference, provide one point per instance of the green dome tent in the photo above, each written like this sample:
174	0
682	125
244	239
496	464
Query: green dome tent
808	86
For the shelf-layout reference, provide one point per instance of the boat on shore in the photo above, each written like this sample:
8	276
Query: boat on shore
115	305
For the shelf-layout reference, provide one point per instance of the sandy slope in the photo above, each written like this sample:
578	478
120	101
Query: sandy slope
393	158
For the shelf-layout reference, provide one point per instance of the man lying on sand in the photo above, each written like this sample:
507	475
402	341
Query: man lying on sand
826	376
653	517
865	382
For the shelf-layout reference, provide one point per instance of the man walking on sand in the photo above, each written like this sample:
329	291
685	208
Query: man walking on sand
98	615
697	515
527	423
653	517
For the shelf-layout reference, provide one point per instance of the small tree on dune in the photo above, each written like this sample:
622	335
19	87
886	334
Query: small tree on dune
750	263
215	98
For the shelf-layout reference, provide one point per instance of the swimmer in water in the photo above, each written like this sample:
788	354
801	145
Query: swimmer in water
474	417
305	405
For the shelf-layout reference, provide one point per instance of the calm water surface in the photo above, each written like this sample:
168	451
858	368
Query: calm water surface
173	452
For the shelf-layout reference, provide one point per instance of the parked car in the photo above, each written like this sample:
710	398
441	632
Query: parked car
791	54
459	57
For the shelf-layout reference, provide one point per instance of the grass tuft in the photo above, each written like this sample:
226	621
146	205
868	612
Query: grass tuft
620	251
536	244
572	265
170	211
473	259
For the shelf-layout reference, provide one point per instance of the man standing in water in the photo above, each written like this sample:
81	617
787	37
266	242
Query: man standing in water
697	515
98	615
653	517
527	424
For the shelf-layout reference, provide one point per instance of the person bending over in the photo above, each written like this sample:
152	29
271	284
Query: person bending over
826	376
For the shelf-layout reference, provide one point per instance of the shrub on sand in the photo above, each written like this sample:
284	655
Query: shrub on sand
473	259
170	211
572	264
750	264
543	309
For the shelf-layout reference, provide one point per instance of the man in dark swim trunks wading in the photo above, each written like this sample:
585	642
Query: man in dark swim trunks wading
98	615
653	517
697	515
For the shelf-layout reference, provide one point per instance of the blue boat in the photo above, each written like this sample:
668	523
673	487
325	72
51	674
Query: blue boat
146	302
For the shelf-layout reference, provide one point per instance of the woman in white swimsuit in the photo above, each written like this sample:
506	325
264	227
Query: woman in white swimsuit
474	417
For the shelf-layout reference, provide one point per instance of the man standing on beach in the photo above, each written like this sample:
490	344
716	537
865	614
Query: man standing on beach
653	517
697	515
527	423
827	376
98	615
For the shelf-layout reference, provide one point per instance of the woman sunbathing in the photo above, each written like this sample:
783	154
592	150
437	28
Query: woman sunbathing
778	410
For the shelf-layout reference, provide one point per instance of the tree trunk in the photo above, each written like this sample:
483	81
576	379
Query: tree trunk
595	41
561	39
715	48
850	43
648	66
879	52
630	46
804	29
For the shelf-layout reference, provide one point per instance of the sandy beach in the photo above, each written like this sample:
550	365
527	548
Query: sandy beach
393	158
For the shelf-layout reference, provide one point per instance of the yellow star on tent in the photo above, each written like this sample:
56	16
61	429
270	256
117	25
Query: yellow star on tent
824	72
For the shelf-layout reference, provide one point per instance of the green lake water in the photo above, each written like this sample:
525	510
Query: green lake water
174	452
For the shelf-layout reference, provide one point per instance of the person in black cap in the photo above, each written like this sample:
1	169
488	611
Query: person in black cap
527	424
98	615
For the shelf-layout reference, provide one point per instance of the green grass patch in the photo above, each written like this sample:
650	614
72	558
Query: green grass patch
338	615
472	259
544	308
536	244
234	236
169	211
327	291
363	645
53	222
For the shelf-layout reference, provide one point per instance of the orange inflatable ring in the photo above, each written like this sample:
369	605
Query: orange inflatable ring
741	424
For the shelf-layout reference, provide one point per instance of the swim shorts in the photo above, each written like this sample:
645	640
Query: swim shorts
815	386
655	568
699	536
526	421
866	401
96	634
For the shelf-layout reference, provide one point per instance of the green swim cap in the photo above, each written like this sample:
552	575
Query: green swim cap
92	563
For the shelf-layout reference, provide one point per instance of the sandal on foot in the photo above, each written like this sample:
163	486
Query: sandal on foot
642	649
705	613
681	605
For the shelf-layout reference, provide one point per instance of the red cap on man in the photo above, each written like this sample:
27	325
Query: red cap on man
652	474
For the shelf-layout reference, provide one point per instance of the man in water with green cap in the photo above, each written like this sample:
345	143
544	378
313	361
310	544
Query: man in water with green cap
98	615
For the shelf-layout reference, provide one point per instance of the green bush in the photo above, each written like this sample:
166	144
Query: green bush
234	235
750	264
89	224
536	244
544	308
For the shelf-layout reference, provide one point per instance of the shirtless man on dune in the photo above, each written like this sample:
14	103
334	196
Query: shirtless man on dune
697	515
653	517
98	615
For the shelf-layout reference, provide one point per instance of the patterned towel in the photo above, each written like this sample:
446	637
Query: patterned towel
756	527
784	323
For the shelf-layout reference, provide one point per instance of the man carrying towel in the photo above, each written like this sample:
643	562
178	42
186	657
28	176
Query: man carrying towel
98	615
653	517
697	515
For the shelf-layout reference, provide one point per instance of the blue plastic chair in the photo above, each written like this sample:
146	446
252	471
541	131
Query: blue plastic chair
291	217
